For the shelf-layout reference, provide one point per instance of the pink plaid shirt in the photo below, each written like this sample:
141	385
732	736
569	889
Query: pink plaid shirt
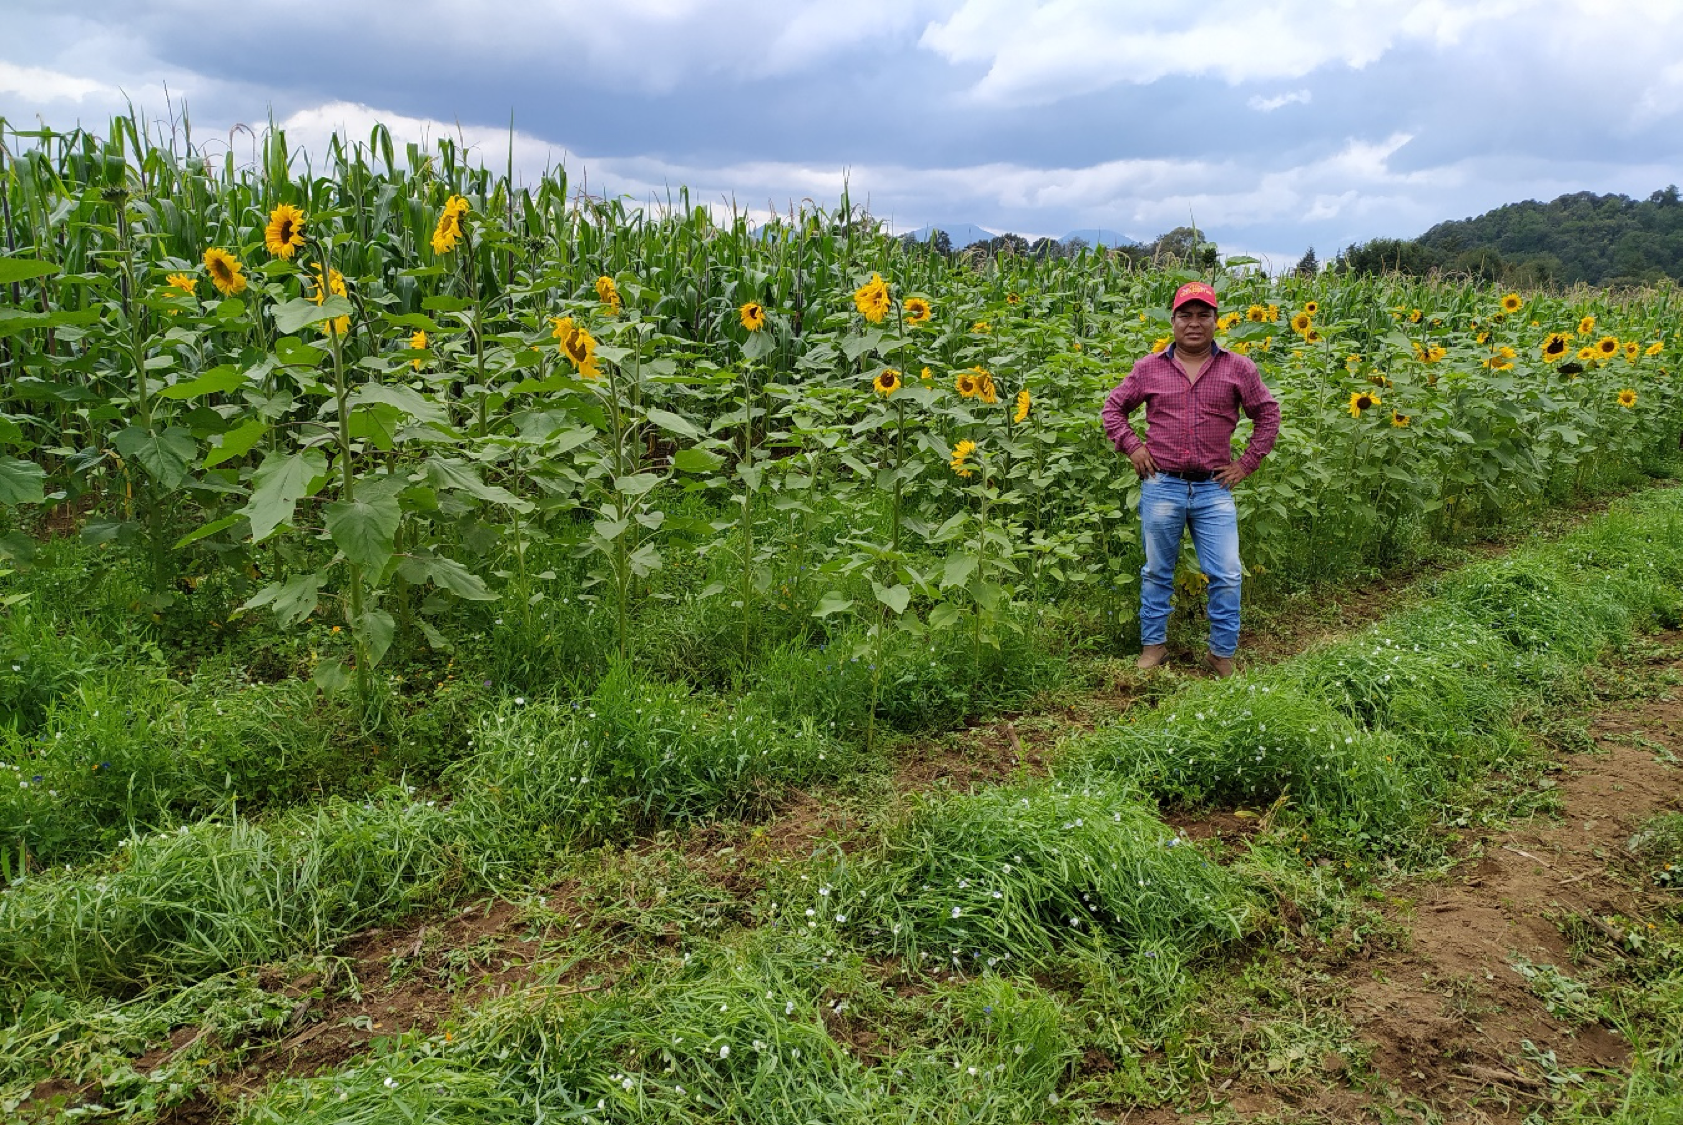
1190	425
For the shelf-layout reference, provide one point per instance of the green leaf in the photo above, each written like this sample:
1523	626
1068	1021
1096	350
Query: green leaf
456	578
332	677
165	456
957	572
636	484
237	442
301	312
208	530
676	423
895	597
445	473
758	345
365	528
23	269
944	616
280	482
411	402
833	602
375	629
21	482
292	600
224	378
694	460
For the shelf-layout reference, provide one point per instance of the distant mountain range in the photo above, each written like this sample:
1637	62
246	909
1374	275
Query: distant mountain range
963	234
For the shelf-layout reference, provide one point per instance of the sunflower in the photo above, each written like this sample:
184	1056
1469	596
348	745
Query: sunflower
224	272
981	328
872	299
1024	401
1399	419
1586	326
449	229
335	284
1512	303
1607	346
1362	400
1431	354
417	342
927	375
1301	323
182	281
886	382
1632	350
1241	347
961	454
285	233
985	390
1273	314
1586	353
1627	398
1555	346
1313	337
753	316
1655	348
608	293
1013	299
917	310
1161	344
1501	359
966	384
1414	316
577	345
1256	314
1313	308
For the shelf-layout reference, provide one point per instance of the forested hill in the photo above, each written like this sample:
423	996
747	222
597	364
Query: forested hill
1583	237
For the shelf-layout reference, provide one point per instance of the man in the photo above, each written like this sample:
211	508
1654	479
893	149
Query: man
1193	392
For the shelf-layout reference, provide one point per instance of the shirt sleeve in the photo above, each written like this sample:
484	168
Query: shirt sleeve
1117	406
1264	414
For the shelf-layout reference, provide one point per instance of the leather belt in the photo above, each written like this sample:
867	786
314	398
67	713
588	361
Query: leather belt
1191	476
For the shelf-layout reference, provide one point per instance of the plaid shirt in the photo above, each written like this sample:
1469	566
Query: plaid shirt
1190	425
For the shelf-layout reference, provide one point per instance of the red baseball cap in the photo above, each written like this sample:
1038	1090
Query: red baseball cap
1194	291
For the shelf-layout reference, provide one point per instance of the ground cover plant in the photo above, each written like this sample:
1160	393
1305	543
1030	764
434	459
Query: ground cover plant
381	532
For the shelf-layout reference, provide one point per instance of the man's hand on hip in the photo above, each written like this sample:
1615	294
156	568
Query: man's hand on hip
1230	476
1143	464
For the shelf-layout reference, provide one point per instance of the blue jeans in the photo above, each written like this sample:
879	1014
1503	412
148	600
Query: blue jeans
1168	507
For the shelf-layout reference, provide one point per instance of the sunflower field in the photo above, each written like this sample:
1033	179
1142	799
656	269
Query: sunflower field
379	530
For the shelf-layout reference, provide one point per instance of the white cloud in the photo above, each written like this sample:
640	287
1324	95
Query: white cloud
37	84
1269	105
1051	49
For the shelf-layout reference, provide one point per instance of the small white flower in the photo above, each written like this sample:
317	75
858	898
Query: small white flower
390	1082
724	1052
955	912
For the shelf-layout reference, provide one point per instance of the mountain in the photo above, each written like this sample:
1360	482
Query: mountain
1582	237
1100	237
962	234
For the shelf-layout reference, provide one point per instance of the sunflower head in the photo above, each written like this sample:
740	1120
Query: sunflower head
753	316
917	310
1362	400
1301	323
1313	308
966	384
182	282
981	328
1312	336
1655	348
886	382
224	270
1024	401
1632	350
1607	347
1013	299
417	342
1555	346
1399	419
961	457
1256	314
1161	344
1586	326
1587	352
1627	398
577	345
985	390
928	375
608	293
284	236
872	299
1512	303
333	283
1414	316
449	229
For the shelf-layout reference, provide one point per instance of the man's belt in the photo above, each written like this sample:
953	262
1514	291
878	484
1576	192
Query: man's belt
1192	476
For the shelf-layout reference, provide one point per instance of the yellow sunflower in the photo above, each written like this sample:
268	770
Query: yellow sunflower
928	375
1399	420
917	310
981	328
886	382
224	271
1555	346
985	390
1313	337
449	229
284	235
1586	326
1512	303
1024	401
753	316
1607	346
1013	299
1256	314
872	299
185	282
608	293
1586	352
335	284
1273	314
417	342
1414	316
1301	323
961	454
1655	348
1627	398
1632	350
1362	400
966	384
577	345
1501	359
1313	308
1161	344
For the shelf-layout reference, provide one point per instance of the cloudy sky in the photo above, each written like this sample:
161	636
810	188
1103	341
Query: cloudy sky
1274	124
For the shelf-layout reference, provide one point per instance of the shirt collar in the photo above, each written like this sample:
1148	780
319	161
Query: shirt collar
1215	350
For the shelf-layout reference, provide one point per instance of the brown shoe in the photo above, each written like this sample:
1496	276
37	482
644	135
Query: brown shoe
1151	656
1222	666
